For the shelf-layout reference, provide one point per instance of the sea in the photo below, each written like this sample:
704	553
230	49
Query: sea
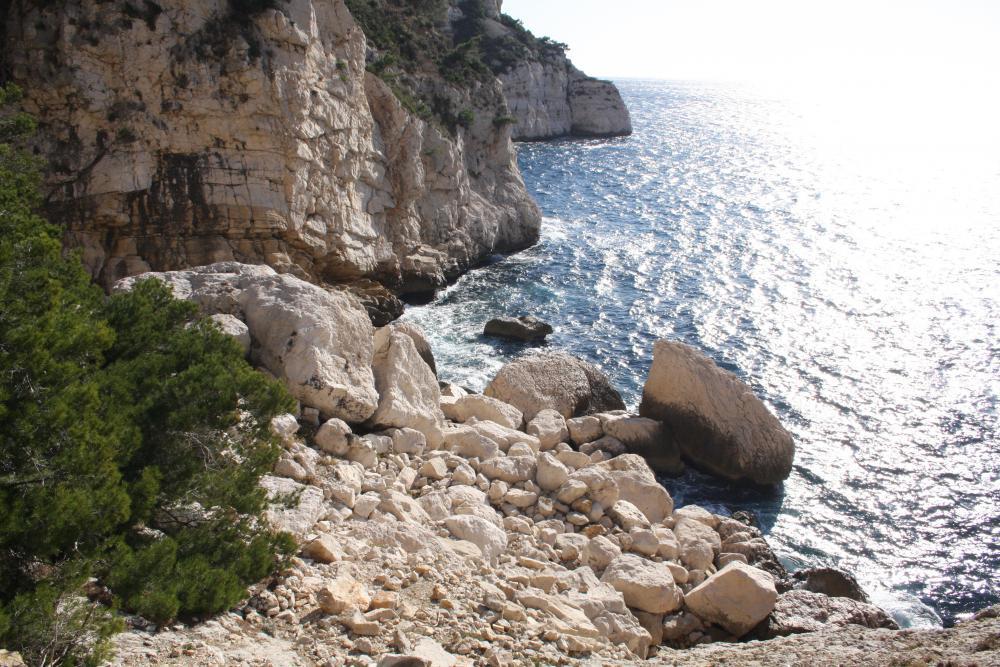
841	255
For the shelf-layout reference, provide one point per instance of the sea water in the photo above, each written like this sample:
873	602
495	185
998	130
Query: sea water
841	258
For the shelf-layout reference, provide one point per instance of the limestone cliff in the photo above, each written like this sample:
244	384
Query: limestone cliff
547	96
185	132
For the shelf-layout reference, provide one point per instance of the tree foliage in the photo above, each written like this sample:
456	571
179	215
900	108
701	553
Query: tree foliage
133	435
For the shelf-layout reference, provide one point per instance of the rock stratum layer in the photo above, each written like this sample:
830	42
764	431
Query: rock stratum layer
188	132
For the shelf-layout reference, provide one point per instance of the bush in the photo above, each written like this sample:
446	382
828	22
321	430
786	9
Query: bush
133	435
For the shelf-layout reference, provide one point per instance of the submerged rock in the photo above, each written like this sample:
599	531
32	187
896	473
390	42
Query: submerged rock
719	425
555	380
524	328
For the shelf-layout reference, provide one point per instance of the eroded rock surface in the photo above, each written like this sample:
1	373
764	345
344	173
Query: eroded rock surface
181	134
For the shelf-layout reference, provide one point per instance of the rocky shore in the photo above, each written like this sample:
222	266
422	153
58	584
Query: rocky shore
518	526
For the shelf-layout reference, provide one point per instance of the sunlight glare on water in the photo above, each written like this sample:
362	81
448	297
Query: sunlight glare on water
842	257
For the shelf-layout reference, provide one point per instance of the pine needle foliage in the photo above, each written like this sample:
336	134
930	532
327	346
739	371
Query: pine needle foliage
133	435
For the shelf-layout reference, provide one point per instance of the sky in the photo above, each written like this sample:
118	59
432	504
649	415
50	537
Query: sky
850	42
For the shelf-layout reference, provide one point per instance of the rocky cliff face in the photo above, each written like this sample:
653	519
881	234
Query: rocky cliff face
551	98
547	96
185	132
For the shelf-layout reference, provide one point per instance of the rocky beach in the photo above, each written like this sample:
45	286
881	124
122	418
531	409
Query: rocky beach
524	525
297	171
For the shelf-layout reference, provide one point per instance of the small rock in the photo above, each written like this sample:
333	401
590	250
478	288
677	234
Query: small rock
342	594
324	549
627	515
551	473
549	427
408	441
332	437
360	624
434	468
285	427
599	553
584	429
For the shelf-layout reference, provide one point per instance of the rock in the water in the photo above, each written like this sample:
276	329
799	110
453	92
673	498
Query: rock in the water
804	611
318	341
737	598
829	581
646	585
719	425
554	380
525	328
649	439
409	396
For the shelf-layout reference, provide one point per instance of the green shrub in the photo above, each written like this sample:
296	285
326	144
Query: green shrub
466	117
133	435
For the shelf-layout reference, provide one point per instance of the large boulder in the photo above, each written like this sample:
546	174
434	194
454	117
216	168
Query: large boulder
737	597
524	328
554	380
419	339
804	611
318	341
647	586
649	439
716	420
409	396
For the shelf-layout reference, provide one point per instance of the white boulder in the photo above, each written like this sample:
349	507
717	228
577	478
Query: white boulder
646	585
737	597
